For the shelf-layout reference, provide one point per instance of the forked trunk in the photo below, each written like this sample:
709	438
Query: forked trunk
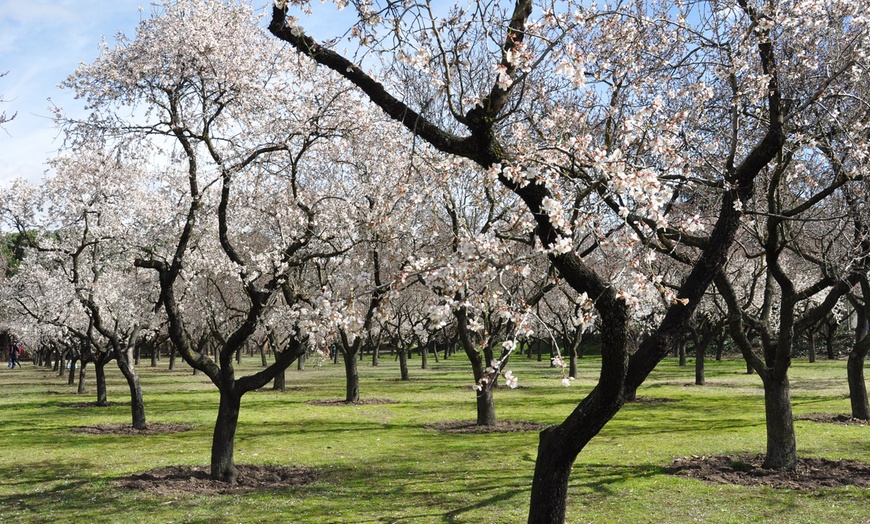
223	465
781	445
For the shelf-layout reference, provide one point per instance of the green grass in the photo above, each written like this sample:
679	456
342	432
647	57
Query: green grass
377	463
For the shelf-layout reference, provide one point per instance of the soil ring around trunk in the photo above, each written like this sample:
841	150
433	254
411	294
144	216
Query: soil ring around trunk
173	481
831	418
153	428
811	474
470	426
361	402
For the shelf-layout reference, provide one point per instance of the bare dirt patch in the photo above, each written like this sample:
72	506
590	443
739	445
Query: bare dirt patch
831	418
361	402
84	405
469	426
154	428
811	473
186	480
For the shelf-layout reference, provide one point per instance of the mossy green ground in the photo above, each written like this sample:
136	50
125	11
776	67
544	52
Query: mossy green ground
378	463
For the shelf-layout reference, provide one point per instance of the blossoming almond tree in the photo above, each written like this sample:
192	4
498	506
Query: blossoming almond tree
83	252
599	120
242	149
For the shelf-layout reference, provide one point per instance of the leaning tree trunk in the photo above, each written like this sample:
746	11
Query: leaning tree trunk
857	385
137	403
555	459
781	444
223	466
100	375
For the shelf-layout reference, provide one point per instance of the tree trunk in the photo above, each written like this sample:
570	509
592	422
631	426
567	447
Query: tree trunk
403	364
681	351
100	373
154	350
811	338
72	372
559	446
781	445
280	382
700	351
857	385
223	466
550	483
424	356
485	407
82	375
351	376
376	353
720	346
300	363
171	357
137	403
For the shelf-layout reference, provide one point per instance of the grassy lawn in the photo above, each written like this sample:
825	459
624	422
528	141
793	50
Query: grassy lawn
378	463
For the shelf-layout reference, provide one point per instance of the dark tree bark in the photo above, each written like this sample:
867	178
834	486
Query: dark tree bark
403	364
223	439
351	375
100	374
71	376
857	385
781	443
82	375
280	382
858	399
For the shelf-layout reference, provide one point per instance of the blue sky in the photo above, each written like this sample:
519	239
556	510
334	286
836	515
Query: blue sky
41	43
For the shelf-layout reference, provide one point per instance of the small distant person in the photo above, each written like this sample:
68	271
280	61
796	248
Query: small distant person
14	354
